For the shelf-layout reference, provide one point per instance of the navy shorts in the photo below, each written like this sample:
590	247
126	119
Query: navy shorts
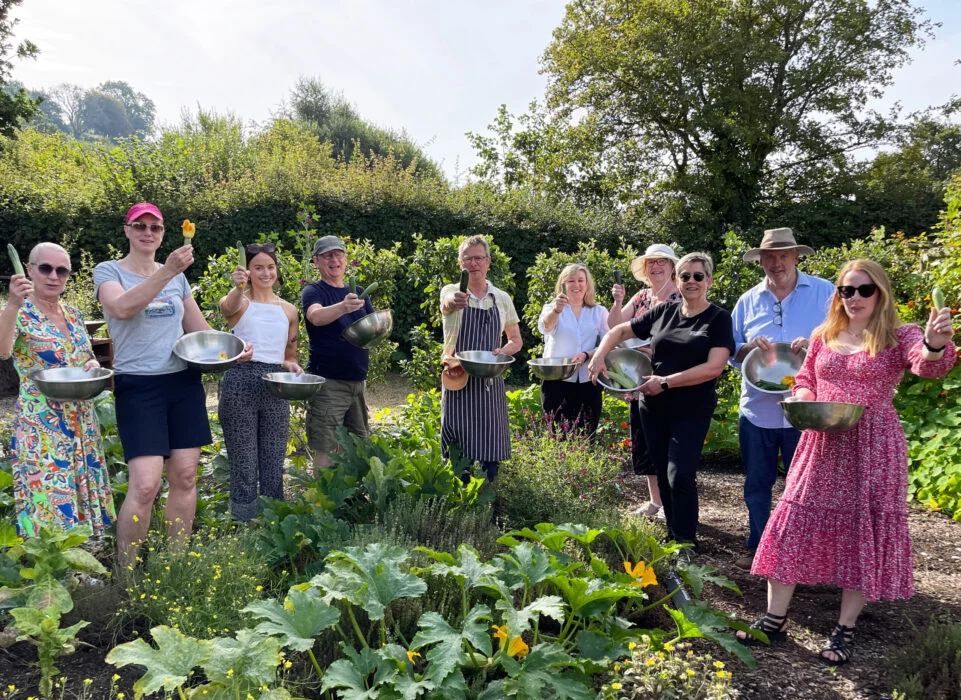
157	413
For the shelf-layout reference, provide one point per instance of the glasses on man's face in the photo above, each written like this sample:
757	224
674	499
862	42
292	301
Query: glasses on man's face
865	290
140	227
686	276
473	258
254	248
778	316
47	269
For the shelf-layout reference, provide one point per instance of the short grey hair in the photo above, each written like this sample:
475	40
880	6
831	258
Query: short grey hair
704	258
472	241
46	245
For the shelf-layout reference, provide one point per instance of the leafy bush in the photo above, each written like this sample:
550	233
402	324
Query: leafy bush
929	667
432	522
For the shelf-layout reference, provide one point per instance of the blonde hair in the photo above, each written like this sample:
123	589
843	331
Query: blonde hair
704	258
881	331
590	296
470	242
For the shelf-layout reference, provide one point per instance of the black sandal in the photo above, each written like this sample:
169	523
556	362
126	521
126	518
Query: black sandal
772	625
841	644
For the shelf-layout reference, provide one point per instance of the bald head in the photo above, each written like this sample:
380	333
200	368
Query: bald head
46	247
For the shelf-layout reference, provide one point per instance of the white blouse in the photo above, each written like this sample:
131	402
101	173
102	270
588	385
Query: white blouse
573	335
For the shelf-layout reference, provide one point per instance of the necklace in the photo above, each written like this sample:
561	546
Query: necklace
857	337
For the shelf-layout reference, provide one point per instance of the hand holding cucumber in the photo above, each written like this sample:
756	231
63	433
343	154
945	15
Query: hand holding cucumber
938	331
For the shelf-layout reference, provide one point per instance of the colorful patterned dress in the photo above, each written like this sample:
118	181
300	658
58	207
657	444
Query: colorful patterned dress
843	518
60	476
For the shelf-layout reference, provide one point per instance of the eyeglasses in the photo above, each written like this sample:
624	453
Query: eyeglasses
45	269
474	258
140	227
686	276
254	248
657	261
865	290
778	317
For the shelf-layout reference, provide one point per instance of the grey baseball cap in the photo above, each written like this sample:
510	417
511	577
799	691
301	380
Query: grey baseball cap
327	244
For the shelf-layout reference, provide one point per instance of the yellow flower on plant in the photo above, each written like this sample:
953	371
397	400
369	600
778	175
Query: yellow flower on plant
643	573
615	686
188	228
412	655
500	633
518	647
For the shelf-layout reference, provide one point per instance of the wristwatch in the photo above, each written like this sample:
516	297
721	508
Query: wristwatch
664	385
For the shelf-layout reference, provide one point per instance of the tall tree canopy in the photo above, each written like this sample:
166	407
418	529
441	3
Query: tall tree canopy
16	106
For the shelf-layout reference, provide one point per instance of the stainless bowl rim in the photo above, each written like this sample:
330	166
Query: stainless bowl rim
101	373
276	378
214	333
747	359
552	361
508	358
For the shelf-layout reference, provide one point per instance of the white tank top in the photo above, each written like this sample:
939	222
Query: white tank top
266	326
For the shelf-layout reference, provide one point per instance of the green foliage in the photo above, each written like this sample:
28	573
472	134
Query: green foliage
41	627
16	106
668	671
423	369
929	667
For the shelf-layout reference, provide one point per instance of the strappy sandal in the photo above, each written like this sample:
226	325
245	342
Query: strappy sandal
841	644
772	625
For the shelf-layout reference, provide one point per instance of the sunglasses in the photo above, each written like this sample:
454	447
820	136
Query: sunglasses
140	227
686	276
865	290
254	248
46	268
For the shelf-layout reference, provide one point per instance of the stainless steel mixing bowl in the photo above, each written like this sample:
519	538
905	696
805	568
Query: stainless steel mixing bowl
371	329
293	386
632	363
772	366
71	383
484	364
209	351
553	368
823	416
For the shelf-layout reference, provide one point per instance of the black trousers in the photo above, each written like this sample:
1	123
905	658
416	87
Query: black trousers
675	443
572	405
640	459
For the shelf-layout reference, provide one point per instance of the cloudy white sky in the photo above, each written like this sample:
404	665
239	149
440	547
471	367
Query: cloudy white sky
435	69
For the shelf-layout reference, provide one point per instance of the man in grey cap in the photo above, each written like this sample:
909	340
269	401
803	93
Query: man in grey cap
783	308
329	307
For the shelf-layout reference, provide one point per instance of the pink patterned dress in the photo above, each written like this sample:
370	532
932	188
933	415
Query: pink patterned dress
843	518
59	475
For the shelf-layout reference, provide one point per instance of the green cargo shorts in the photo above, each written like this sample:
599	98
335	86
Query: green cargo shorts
339	402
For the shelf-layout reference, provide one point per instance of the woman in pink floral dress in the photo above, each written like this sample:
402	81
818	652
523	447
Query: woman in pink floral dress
843	517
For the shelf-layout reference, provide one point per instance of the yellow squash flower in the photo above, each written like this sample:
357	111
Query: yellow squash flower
642	572
500	633
412	655
517	647
189	229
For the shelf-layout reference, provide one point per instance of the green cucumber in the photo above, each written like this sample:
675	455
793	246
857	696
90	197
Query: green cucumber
352	285
370	290
620	378
464	276
937	297
242	255
14	259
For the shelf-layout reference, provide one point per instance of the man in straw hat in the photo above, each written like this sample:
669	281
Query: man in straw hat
784	307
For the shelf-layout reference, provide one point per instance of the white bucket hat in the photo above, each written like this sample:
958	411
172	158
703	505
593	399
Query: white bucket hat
657	250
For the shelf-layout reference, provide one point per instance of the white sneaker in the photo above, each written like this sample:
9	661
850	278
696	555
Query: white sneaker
648	510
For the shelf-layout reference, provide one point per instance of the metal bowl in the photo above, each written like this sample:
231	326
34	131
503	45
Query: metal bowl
209	351
293	386
71	383
553	368
823	416
484	364
633	363
371	329
772	366
635	343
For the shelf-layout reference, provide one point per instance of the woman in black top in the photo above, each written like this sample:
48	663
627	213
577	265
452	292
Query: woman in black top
691	342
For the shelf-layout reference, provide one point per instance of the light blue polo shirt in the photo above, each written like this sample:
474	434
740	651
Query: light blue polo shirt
802	311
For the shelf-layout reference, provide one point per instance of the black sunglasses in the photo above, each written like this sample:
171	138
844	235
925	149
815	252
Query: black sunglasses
141	226
45	269
254	248
698	276
865	290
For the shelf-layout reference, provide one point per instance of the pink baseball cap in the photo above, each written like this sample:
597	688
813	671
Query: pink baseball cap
141	208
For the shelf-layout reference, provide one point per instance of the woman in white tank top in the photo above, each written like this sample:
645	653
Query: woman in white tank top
256	423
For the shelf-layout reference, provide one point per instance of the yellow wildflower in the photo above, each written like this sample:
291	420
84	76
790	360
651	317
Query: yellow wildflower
615	686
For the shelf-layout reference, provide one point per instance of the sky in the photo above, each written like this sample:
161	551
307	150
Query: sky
432	68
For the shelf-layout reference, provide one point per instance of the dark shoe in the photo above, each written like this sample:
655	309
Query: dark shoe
839	647
772	625
745	561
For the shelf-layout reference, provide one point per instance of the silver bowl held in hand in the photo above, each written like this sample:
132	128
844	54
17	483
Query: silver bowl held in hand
293	386
823	416
635	343
484	364
633	364
71	383
553	368
765	370
371	329
209	351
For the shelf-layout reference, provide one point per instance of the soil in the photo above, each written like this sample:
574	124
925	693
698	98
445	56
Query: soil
788	670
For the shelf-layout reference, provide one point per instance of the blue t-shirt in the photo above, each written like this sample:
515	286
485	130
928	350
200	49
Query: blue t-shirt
330	355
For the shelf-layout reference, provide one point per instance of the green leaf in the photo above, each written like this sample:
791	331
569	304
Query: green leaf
301	617
48	592
168	666
696	575
448	642
8	532
519	621
360	674
247	660
542	675
82	560
526	564
592	597
467	568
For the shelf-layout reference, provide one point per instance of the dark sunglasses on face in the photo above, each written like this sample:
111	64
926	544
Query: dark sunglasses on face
254	248
865	290
140	227
698	276
45	269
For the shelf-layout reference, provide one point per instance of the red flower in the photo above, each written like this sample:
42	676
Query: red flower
624	425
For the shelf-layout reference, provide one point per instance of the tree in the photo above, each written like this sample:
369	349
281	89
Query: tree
69	99
720	97
104	115
16	106
138	108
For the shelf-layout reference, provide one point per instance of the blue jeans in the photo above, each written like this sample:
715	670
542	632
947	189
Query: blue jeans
759	452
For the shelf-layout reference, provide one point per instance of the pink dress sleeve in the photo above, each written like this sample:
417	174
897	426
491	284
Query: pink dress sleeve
806	379
911	344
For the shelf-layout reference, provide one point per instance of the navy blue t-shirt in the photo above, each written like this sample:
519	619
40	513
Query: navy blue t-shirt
330	355
679	343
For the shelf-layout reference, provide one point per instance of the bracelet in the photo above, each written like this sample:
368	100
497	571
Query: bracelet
929	348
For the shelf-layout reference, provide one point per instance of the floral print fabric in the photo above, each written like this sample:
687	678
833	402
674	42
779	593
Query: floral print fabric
843	518
60	477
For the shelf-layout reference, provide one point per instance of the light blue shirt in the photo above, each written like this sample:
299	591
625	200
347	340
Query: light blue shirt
802	311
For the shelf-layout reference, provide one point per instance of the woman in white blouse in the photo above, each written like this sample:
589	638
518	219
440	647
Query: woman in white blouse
573	324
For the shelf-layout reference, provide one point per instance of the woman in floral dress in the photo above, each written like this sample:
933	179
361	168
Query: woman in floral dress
60	477
843	518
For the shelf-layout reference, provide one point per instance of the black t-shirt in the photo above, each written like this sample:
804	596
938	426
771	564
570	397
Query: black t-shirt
679	343
330	355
